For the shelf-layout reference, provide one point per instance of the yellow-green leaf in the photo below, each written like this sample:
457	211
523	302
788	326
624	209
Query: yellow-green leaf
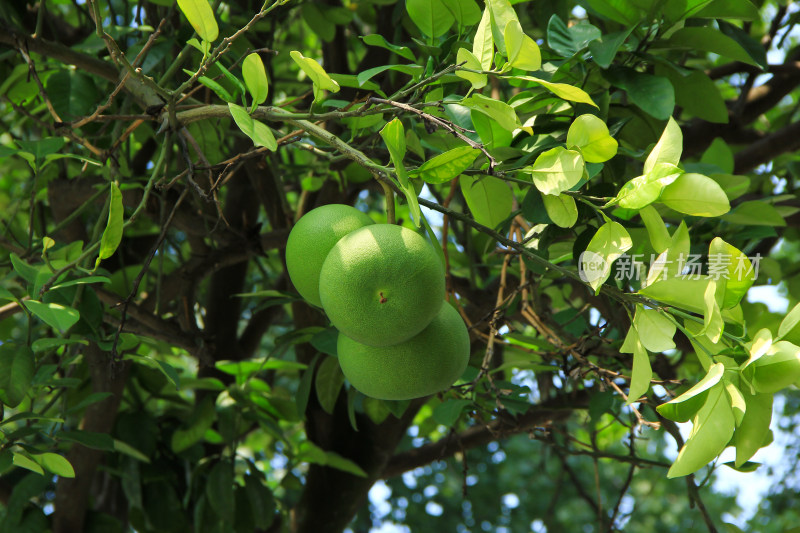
444	167
112	235
655	329
483	43
490	199
201	17
523	52
590	134
696	195
321	80
607	245
471	62
562	90
561	209
712	430
258	132
556	170
255	78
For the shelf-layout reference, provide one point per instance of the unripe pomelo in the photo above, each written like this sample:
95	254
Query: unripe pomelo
310	240
381	284
425	364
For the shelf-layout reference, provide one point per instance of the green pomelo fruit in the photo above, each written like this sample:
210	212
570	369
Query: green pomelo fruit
425	364
310	240
382	284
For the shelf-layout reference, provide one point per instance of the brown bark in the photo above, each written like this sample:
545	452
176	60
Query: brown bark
72	494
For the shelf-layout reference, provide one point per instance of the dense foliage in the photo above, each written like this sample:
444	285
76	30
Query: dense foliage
603	180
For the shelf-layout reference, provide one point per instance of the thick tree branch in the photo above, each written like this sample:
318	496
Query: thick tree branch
476	436
72	494
786	139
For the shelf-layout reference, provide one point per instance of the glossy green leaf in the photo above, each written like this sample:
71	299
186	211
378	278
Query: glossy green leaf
719	154
712	40
778	368
671	261
431	16
17	367
683	293
696	195
490	199
201	17
328	383
668	149
469	61
55	315
713	324
317	21
90	439
590	134
643	190
752	46
196	426
754	427
112	235
556	170
729	263
561	209
483	42
448	412
755	213
729	9
366	75
262	501
321	80
220	491
712	430
523	52
677	10
496	110
656	229
641	372
501	13
255	78
492	135
605	48
625	12
258	132
567	41
609	242
789	322
308	451
376	39
25	462
444	167
73	94
562	90
760	345
55	463
465	12
684	407
655	329
697	94
393	135
652	94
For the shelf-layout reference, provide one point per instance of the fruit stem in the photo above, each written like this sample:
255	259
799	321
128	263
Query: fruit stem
389	193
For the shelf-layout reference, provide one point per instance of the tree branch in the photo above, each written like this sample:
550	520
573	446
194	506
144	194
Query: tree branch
476	436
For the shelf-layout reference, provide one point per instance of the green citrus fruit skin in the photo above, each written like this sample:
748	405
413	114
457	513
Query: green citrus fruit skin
382	284
310	240
425	364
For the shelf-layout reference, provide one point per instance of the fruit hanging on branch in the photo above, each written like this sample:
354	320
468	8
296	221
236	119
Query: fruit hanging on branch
382	286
